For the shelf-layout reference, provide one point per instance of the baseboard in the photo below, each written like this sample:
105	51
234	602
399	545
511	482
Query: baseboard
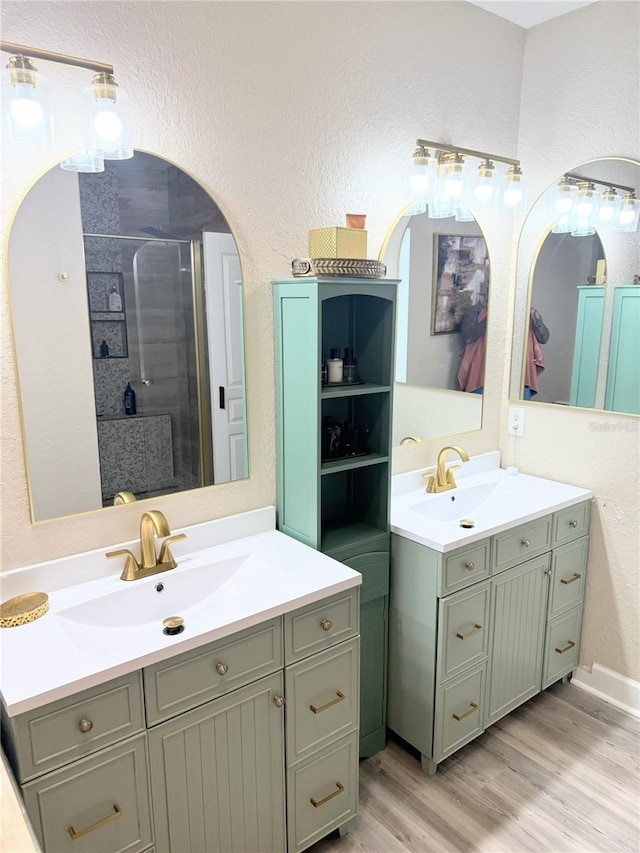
618	690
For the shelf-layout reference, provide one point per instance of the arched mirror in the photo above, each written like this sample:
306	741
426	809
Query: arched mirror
577	321
443	267
126	302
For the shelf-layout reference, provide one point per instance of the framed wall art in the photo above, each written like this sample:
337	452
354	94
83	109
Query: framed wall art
460	279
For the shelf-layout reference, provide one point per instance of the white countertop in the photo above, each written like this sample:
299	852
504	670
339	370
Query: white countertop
516	499
44	661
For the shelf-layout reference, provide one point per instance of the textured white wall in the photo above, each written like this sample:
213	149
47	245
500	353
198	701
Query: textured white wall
290	114
580	101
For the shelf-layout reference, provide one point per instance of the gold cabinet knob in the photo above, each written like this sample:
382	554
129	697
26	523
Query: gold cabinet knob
548	572
526	542
573	523
222	668
85	725
325	624
278	701
470	566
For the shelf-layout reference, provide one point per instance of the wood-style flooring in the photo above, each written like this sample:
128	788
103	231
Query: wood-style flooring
559	774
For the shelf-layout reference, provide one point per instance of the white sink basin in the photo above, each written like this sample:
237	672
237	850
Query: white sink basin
172	593
456	504
493	500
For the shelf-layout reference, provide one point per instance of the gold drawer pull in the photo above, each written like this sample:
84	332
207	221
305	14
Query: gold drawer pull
316	803
78	833
475	630
526	542
339	698
573	523
458	717
222	668
470	566
85	725
576	577
325	624
278	701
570	645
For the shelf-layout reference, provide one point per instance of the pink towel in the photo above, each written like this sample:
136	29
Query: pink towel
471	370
535	362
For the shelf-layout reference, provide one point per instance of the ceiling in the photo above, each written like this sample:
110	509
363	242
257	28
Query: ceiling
528	13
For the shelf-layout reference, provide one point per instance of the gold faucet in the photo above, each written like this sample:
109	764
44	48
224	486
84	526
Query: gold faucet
410	439
152	522
121	498
443	480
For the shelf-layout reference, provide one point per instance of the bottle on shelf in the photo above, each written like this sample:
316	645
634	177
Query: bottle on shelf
115	300
104	350
334	364
129	400
350	365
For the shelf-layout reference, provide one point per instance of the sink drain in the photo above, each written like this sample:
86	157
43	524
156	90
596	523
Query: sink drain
467	523
173	625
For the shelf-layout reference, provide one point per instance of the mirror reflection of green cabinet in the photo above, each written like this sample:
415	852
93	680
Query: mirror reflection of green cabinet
586	352
338	500
623	377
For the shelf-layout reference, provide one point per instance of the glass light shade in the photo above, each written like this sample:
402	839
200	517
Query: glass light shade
442	207
483	189
83	162
463	214
423	173
513	191
452	179
26	111
109	119
585	211
608	209
419	205
563	198
563	225
628	214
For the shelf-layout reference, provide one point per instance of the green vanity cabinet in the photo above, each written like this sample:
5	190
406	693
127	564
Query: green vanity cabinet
623	375
586	353
245	744
338	500
477	631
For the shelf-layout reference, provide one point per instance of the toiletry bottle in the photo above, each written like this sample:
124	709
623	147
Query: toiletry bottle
350	364
323	372
104	350
115	300
129	400
334	363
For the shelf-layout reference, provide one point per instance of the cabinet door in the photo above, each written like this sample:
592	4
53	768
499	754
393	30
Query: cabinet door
373	675
218	774
518	605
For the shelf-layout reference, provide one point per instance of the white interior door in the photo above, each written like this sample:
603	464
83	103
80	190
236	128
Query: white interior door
223	289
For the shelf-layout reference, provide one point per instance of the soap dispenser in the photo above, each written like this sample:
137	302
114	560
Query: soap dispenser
115	300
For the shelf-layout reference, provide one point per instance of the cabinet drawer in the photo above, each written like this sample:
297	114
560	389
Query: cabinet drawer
568	566
460	711
521	543
322	793
374	568
191	679
99	803
463	630
51	736
562	646
465	566
318	626
571	523
322	698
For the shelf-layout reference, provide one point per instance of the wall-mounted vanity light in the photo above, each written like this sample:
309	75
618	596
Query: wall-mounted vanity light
580	204
27	117
444	181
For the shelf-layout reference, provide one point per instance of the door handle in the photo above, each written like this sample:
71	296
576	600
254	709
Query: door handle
221	396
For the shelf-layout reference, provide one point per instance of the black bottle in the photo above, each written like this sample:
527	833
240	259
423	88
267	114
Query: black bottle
129	400
104	350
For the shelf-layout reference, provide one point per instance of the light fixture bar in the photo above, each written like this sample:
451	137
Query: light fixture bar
573	176
454	149
50	56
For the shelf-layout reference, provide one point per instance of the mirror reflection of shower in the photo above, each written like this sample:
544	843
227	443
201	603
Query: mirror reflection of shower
165	312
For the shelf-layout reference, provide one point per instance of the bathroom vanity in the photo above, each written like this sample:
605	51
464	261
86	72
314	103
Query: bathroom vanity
483	617
239	734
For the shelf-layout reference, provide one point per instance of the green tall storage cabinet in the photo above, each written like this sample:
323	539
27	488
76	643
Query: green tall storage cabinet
623	377
586	353
335	496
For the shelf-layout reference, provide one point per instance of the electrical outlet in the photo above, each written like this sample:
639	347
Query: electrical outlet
515	424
